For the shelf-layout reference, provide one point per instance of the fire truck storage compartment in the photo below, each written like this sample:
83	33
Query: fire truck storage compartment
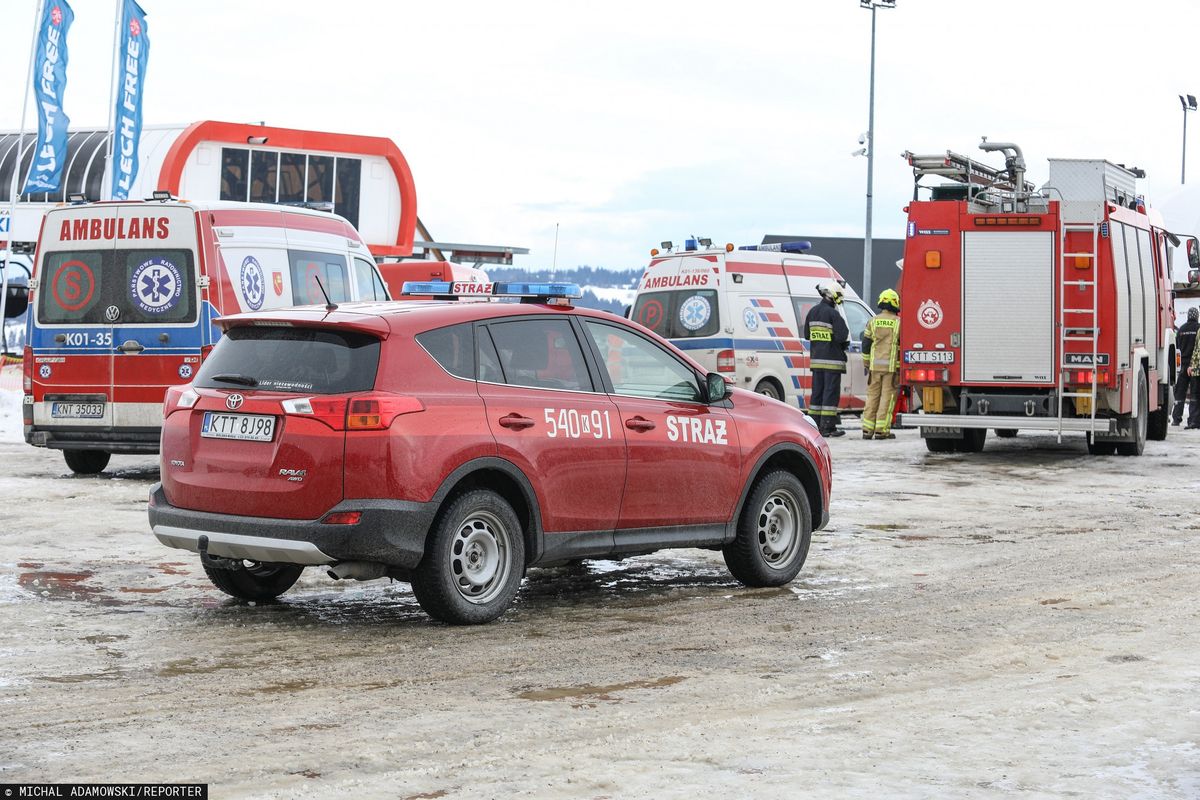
1008	280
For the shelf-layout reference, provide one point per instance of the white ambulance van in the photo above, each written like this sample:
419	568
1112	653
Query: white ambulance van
740	312
124	295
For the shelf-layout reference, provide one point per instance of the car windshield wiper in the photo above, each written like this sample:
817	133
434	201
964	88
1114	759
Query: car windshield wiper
242	380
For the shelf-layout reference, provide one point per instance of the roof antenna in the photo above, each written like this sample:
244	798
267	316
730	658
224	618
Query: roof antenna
554	263
329	304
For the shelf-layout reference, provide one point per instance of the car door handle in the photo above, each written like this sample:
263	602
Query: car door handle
516	422
131	346
639	424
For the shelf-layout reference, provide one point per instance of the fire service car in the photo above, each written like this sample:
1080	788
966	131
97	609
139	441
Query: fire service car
453	445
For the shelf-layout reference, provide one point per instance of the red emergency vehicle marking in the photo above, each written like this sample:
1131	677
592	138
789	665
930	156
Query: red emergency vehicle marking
668	281
651	314
697	431
274	219
277	283
78	230
770	317
782	333
572	423
761	303
77	286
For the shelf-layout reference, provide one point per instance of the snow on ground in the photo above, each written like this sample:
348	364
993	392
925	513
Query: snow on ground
10	404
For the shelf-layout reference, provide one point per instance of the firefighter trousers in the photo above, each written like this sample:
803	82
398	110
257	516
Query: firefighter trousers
881	403
826	395
1185	385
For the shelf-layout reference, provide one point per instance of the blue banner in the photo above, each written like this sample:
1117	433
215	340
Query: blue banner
49	83
132	54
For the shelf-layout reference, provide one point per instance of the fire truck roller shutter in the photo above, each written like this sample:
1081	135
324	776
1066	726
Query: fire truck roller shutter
1008	306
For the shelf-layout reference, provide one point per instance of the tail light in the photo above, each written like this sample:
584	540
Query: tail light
178	398
342	518
1084	376
726	361
27	369
926	375
374	412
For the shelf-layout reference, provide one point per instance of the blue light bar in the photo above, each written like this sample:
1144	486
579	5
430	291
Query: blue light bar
426	287
521	289
781	247
689	244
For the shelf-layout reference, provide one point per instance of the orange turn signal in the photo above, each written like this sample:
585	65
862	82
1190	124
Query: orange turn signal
933	259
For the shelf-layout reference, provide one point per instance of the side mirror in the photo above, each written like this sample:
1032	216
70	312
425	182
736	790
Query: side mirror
1193	253
1193	277
18	301
715	387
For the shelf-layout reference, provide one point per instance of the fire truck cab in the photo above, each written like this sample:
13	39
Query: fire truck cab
1034	309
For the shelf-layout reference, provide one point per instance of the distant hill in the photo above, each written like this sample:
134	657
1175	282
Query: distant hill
603	288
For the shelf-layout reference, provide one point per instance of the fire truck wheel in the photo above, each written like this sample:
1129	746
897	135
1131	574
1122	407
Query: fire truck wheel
1006	433
251	580
474	560
86	462
773	532
1159	423
769	388
972	441
1141	423
940	445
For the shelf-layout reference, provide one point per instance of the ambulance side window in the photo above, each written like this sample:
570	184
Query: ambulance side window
640	368
308	266
857	317
803	305
370	287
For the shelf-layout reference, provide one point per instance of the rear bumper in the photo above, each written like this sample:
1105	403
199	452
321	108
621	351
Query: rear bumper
390	532
1079	425
113	440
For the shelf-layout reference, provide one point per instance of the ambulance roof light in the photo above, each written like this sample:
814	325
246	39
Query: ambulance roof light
668	246
780	247
706	243
161	195
76	198
689	245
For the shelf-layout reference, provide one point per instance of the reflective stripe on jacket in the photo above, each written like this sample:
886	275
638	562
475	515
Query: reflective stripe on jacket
884	332
828	337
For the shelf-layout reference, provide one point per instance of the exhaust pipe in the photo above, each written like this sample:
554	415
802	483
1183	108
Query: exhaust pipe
358	570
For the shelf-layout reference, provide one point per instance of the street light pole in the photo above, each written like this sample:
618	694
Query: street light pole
1188	101
873	5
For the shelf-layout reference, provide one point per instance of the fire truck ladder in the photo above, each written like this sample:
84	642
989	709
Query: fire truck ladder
960	168
1078	322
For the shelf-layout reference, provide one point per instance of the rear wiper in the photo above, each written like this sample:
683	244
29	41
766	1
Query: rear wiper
243	380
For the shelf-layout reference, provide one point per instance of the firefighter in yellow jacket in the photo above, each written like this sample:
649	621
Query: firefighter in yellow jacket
883	336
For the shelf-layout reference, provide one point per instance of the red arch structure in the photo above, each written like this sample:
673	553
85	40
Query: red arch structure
171	173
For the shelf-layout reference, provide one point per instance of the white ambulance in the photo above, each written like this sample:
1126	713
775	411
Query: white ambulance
124	295
740	312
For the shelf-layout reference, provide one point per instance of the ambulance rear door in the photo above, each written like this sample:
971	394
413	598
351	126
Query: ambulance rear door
153	305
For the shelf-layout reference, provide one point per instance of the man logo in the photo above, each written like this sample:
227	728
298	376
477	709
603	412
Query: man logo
234	402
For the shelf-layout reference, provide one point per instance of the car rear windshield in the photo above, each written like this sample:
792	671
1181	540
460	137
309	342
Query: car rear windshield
680	314
117	287
302	360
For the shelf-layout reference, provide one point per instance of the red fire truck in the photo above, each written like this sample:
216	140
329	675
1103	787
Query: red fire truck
1026	309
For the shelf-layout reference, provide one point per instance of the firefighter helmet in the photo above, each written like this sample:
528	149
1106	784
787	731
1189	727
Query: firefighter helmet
888	297
830	291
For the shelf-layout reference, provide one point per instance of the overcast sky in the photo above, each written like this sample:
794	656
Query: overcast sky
633	122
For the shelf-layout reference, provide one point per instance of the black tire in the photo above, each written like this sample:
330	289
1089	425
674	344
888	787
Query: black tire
941	445
972	441
86	462
251	580
773	532
475	532
1160	420
769	388
1141	424
1006	433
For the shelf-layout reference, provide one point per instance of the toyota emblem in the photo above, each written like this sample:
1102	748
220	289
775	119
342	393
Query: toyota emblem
112	313
234	402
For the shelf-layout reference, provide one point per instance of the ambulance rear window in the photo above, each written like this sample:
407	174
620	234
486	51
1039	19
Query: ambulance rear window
301	360
117	287
680	314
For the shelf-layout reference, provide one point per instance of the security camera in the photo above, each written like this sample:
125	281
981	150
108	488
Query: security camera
862	138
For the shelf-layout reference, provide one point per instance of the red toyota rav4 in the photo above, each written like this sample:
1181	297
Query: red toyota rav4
453	445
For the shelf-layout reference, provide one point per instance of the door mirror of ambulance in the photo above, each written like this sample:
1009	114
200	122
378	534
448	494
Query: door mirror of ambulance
1193	277
715	387
1193	253
18	301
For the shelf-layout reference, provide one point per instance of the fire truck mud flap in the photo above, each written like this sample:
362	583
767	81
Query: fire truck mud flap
950	426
